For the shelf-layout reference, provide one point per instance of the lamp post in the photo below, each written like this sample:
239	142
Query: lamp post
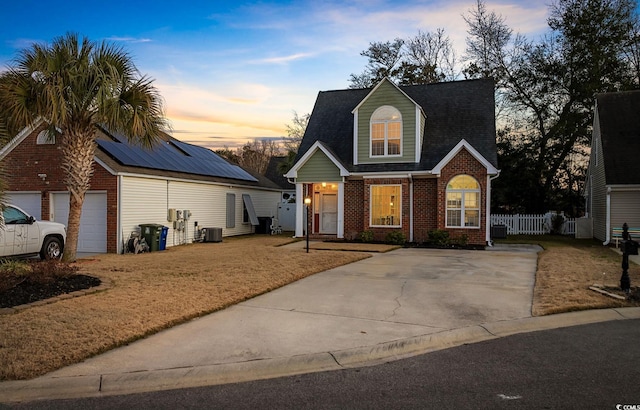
307	202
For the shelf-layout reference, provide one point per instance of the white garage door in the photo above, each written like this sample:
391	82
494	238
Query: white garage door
28	201
93	223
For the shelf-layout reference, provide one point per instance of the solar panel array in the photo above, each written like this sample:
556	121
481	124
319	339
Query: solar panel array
175	156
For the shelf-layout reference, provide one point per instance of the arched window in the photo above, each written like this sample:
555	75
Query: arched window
45	138
463	202
386	132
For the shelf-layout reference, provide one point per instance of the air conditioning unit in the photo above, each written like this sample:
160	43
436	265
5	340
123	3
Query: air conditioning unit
212	234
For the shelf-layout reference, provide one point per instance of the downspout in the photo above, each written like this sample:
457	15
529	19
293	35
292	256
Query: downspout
120	233
608	218
488	207
410	208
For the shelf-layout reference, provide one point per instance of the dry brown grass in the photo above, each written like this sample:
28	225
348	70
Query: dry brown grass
151	292
567	269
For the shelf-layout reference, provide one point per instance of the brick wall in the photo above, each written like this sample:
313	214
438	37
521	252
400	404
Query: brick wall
353	208
27	160
425	202
429	203
463	163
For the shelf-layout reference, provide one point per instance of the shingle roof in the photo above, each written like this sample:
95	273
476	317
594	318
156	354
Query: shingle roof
275	175
454	110
619	115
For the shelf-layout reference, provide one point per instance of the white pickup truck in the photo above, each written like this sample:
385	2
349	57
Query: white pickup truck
21	235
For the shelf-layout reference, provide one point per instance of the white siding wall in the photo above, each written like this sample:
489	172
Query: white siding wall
146	200
142	201
625	207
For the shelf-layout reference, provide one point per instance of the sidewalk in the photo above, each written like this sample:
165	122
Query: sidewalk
386	307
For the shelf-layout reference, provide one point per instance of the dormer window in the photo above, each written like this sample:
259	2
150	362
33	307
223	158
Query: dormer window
386	132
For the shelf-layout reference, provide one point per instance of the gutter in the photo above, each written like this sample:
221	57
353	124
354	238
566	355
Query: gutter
410	208
488	206
608	218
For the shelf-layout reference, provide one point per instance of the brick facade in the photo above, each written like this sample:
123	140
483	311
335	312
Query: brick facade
429	203
26	161
463	163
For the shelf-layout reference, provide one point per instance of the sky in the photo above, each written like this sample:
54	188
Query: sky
234	71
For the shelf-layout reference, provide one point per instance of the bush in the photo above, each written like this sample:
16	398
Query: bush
396	238
438	237
366	236
461	240
14	272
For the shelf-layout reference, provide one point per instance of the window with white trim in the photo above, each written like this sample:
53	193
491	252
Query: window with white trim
463	202
385	205
386	132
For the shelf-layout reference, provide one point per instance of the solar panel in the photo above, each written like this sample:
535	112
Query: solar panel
175	156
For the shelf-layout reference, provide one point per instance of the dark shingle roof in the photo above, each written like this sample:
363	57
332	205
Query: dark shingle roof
276	176
455	111
619	115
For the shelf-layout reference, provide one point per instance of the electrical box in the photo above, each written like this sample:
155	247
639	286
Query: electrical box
172	215
178	214
186	214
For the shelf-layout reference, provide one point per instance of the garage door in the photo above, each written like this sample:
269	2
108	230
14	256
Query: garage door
93	223
28	201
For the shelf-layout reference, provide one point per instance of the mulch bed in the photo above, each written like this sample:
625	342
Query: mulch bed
28	292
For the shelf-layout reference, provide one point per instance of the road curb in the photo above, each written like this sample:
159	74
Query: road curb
166	379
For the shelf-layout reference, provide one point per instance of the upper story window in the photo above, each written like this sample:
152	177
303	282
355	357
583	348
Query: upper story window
463	202
386	132
45	138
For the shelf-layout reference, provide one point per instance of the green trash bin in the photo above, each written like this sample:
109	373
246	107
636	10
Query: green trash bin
151	234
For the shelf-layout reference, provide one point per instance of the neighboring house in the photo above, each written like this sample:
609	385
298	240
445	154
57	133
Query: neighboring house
410	159
286	212
612	188
132	186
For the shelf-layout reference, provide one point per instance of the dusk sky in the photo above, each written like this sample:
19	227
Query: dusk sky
232	71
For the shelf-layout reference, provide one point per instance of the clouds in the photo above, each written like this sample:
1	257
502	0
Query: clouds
232	71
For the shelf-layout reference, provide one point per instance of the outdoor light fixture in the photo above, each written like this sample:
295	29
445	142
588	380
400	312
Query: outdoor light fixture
307	202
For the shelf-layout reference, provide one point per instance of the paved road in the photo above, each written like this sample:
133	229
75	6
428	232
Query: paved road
594	366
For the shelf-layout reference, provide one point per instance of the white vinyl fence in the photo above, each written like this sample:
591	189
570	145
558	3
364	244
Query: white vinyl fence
532	224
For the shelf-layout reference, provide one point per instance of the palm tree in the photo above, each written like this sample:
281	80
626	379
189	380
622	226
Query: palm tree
72	86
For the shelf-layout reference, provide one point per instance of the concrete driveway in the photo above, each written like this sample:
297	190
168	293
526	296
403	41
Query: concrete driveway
393	304
388	297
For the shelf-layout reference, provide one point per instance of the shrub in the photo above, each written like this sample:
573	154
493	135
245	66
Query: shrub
461	240
14	272
49	270
438	237
396	238
366	236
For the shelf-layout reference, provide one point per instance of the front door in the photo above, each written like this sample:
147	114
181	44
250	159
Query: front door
328	213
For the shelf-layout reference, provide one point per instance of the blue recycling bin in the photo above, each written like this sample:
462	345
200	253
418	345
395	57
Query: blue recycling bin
163	238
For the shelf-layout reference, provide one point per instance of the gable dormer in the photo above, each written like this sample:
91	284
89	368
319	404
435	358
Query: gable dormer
388	127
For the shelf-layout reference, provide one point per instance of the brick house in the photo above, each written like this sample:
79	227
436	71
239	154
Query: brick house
411	159
132	186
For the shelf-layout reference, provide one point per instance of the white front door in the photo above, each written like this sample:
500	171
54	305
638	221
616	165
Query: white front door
328	213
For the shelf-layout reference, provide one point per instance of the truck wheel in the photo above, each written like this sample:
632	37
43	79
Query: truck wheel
51	248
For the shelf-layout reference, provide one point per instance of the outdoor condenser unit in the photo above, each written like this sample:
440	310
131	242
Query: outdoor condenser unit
212	234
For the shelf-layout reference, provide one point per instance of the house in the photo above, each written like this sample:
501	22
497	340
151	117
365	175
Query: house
612	188
411	159
175	184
